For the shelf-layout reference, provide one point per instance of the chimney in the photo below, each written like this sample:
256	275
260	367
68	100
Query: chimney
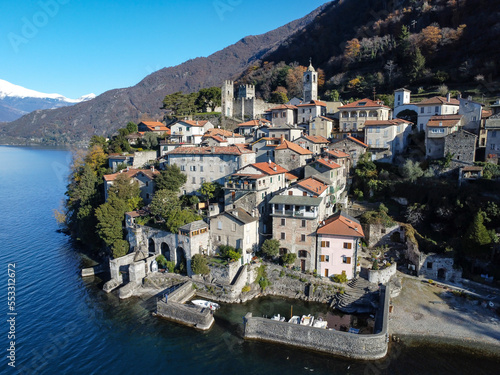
212	149
196	122
469	98
275	168
282	138
448	97
152	168
440	123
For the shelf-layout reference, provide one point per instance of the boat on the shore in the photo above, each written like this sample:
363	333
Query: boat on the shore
307	320
278	317
206	304
294	319
320	323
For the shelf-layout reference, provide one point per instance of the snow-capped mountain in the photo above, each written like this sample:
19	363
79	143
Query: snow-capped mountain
16	101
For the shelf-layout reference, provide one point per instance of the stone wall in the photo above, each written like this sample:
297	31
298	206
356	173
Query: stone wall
462	145
378	234
143	157
439	267
224	274
382	276
368	347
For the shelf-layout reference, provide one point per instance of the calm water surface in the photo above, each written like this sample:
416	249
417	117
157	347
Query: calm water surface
67	325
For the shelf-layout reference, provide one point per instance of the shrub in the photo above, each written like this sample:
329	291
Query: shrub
246	288
170	266
233	255
339	278
270	247
199	265
282	273
162	261
264	283
289	258
375	265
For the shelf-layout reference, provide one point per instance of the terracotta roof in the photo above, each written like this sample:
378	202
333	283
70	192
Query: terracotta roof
352	139
152	123
192	123
325	118
137	213
444	120
316	138
240	214
486	113
132	173
269	168
216	150
438	100
215	137
254	122
337	154
222	132
284	106
290	177
472	169
328	163
312	103
397	121
364	103
292	146
341	225
313	185
159	127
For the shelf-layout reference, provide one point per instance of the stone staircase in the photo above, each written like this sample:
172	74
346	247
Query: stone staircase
360	296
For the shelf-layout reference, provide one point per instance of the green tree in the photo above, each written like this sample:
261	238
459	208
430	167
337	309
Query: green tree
149	140
333	96
279	96
120	248
411	170
207	189
417	65
180	104
271	247
477	238
164	202
127	190
110	216
170	179
179	217
209	97
199	265
132	127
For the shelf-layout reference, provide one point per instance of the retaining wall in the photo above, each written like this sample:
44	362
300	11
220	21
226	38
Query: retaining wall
368	347
382	276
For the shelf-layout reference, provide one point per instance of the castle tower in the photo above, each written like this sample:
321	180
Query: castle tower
310	84
227	98
246	92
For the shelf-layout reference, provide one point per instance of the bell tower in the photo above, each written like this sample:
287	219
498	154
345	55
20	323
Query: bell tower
310	84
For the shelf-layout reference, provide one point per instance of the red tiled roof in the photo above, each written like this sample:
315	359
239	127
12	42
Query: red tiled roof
132	173
152	123
357	141
159	127
316	139
313	103
486	113
444	120
193	123
325	118
339	225
337	153
216	150
215	137
395	122
368	103
284	106
269	168
292	146
222	132
254	122
328	163
438	100
290	177
313	185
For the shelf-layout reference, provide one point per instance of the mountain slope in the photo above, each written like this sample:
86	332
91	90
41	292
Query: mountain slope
113	109
16	101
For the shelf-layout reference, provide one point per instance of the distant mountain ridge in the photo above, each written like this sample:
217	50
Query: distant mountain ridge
113	109
16	101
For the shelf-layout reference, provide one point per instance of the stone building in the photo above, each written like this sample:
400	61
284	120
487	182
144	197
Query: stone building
208	164
321	126
338	243
291	156
153	126
438	127
436	106
387	138
248	128
313	143
237	228
288	132
144	177
352	146
333	173
245	105
462	145
307	111
492	129
472	113
284	114
264	148
353	115
188	131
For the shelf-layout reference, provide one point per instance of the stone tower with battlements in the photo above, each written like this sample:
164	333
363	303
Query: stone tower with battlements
246	92
227	98
310	84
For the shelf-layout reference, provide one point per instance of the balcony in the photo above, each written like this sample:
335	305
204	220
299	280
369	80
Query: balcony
240	186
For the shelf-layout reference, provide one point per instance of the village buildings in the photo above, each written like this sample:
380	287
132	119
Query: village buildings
188	131
144	177
354	115
387	138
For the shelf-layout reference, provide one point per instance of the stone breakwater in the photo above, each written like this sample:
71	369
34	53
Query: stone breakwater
367	347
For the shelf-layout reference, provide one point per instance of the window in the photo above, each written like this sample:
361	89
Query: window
327	258
271	180
202	180
283	236
382	231
183	168
233	227
429	109
386	133
377	130
219	238
221	168
283	222
303	224
429	265
201	168
347	245
322	258
325	243
370	130
256	149
346	260
304	194
436	109
303	238
422	110
493	134
194	180
219	224
290	193
302	254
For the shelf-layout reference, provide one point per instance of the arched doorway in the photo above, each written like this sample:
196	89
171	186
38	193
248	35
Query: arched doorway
181	260
441	273
283	251
303	255
165	250
151	246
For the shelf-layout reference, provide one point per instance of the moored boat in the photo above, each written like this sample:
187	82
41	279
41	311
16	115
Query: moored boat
206	304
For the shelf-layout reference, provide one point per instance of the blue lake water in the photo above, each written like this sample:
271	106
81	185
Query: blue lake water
67	325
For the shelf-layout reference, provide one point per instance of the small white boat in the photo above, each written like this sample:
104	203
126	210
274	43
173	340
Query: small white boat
278	317
307	320
206	304
320	323
294	319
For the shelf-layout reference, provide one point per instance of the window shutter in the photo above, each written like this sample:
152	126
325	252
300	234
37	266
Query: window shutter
348	260
322	258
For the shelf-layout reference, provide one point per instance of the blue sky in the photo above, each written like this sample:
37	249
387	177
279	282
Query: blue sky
75	47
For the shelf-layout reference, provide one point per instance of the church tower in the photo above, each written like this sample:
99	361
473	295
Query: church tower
310	84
